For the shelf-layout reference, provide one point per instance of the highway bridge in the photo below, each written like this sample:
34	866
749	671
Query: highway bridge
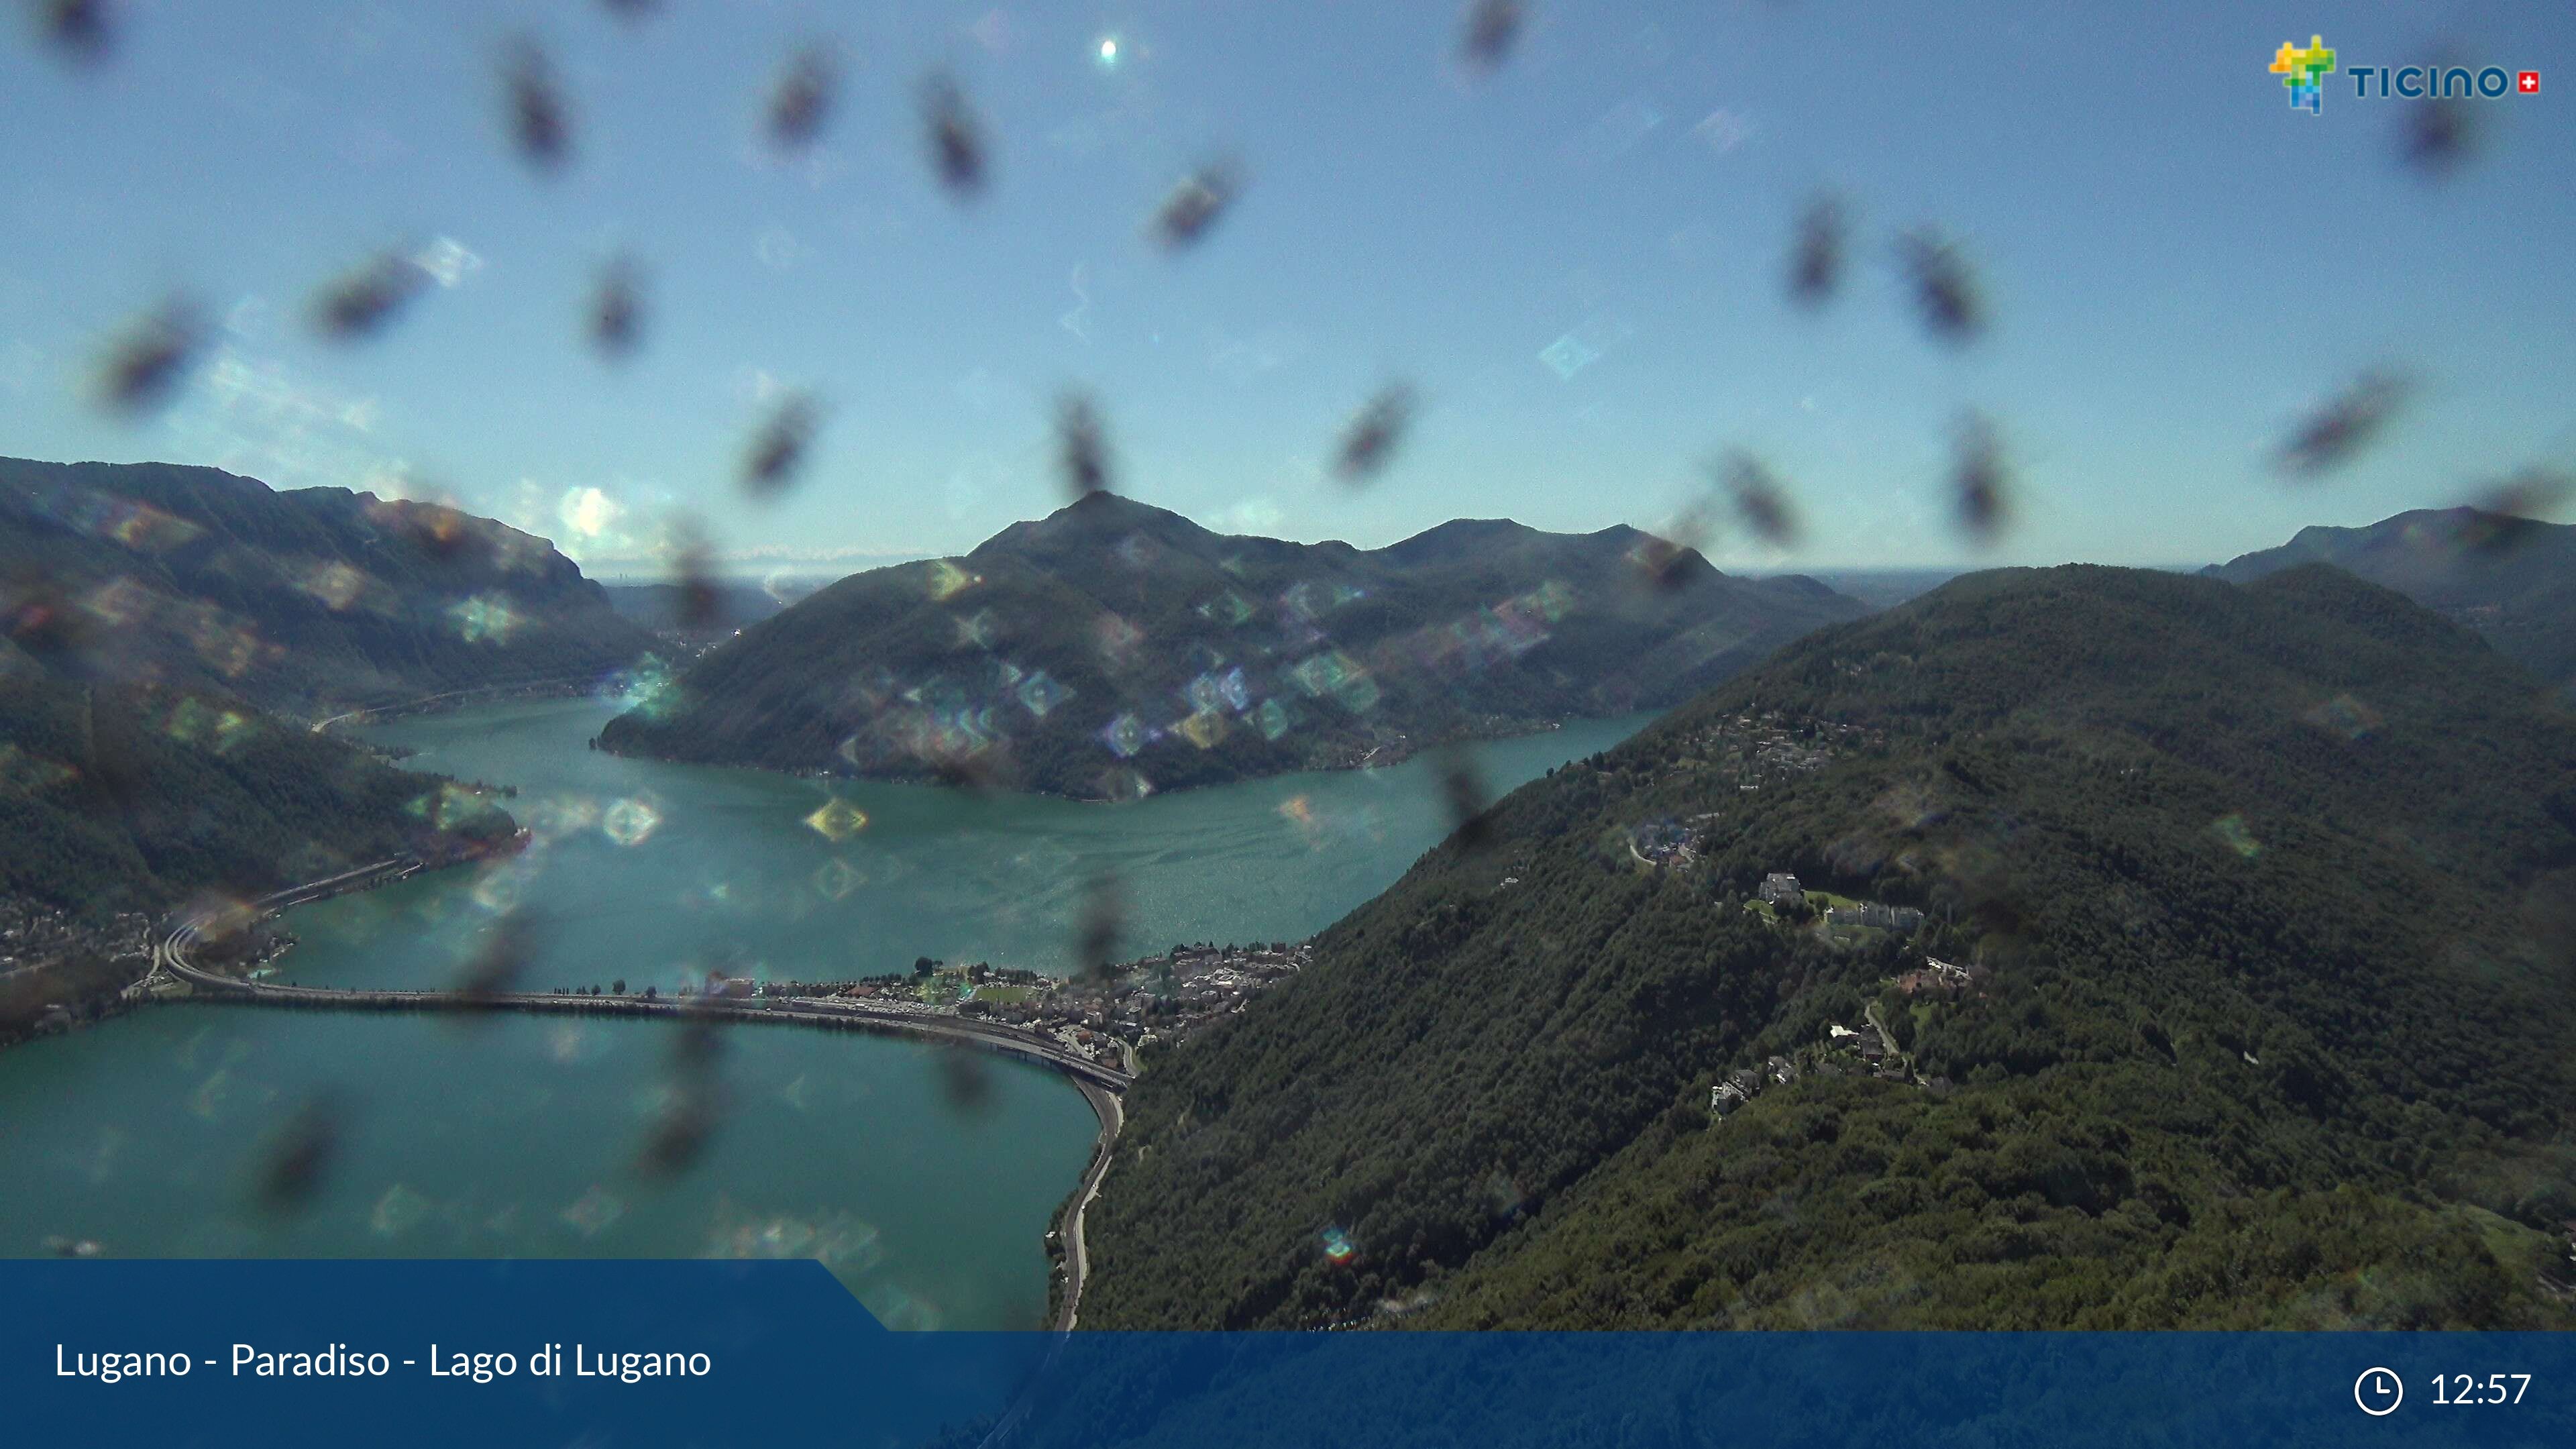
1099	1083
171	955
457	698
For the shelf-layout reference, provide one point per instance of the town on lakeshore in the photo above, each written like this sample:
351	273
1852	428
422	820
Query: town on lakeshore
1107	1017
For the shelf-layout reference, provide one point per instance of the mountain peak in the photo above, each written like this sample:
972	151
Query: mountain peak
1094	521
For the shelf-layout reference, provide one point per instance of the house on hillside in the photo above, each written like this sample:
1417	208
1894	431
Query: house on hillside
1781	889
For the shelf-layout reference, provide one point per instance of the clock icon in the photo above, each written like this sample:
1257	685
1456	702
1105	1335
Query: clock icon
2378	1391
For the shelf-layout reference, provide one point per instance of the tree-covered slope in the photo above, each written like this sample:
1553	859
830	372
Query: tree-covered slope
1113	647
2511	579
127	797
2268	892
303	603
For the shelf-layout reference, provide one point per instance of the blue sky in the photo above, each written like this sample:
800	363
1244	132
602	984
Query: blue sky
2180	265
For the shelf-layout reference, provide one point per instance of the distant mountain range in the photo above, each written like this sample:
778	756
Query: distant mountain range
2511	579
1114	647
2244	996
712	609
304	603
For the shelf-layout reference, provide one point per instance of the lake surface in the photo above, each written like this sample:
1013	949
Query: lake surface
927	1189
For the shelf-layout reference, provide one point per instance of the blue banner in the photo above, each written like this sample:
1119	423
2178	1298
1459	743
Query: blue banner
773	1353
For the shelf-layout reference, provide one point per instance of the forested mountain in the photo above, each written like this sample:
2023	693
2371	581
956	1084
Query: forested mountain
121	797
2257	909
303	603
166	634
1114	647
2511	579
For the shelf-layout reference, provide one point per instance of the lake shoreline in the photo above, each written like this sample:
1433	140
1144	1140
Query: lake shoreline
1385	756
663	871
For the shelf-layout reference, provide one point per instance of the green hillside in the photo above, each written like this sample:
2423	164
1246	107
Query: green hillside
133	797
2266	892
1114	647
167	634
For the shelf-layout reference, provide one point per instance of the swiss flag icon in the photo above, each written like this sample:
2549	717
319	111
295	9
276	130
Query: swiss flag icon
2528	83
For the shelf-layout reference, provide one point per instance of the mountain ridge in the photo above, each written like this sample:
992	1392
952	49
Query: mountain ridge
2511	579
1178	656
302	602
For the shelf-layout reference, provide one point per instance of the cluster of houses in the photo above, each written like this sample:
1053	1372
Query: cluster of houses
1663	843
1758	744
1937	977
1849	1051
1163	997
1875	913
1745	1083
1845	1051
1781	890
38	994
32	935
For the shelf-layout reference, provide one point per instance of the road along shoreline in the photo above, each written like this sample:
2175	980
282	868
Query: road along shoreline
1100	1084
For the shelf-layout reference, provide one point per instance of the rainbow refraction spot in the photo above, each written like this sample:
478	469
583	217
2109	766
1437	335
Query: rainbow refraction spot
2303	69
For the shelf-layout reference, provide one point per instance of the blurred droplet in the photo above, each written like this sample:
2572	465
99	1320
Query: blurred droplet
976	773
82	30
1761	501
2509	514
700	1043
1816	257
540	124
149	359
363	302
2440	134
1664	561
295	1163
1102	923
956	138
801	100
700	605
2344	424
617	309
1373	435
778	450
681	1132
436	529
1462	790
633	10
1195	204
1082	446
1979	479
40	617
501	959
964	1079
1492	27
1945	289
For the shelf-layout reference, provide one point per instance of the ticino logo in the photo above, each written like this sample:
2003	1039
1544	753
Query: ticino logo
2304	68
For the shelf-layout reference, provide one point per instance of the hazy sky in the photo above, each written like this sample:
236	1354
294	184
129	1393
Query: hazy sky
2179	263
